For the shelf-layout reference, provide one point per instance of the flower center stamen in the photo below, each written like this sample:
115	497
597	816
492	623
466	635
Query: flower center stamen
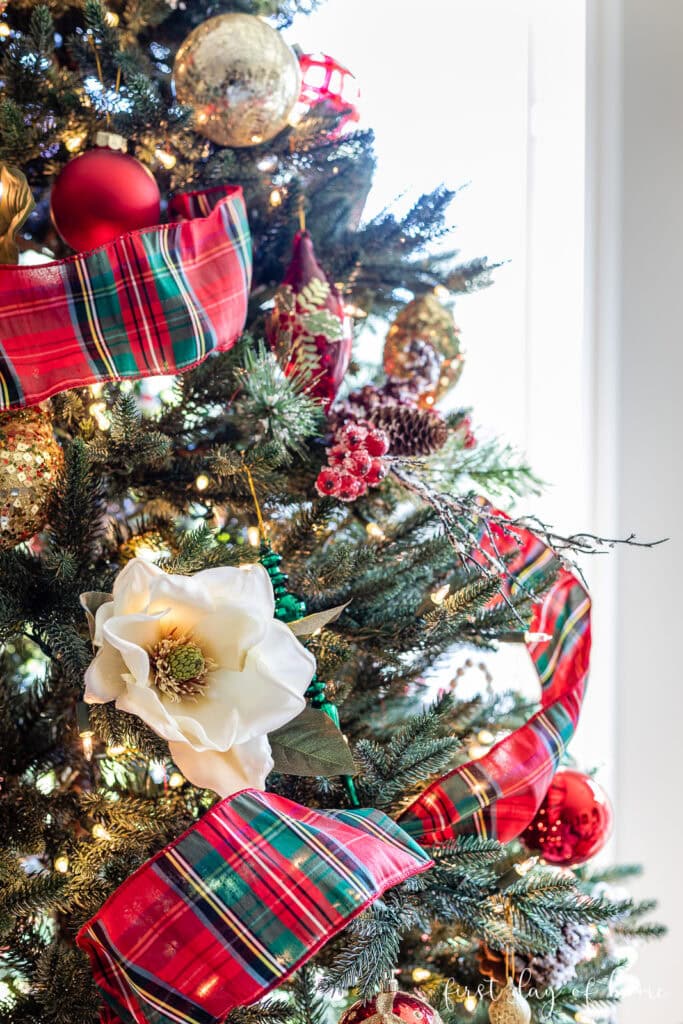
179	668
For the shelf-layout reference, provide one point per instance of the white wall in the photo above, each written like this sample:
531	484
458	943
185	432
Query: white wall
642	297
493	94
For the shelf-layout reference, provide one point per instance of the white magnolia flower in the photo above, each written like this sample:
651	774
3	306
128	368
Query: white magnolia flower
202	660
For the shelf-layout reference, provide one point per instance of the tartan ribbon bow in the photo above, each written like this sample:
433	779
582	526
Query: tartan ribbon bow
229	910
153	301
499	794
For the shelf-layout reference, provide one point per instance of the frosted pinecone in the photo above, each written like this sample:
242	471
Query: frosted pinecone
552	970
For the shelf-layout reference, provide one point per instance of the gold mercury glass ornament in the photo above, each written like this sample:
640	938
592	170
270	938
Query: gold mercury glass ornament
30	461
241	78
16	202
30	457
427	321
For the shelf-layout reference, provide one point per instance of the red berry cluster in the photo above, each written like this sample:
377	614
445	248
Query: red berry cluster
354	462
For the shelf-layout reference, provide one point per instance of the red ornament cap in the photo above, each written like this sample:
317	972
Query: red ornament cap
574	821
391	1007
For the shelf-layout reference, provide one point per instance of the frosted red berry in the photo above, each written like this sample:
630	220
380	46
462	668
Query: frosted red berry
336	455
352	436
350	487
377	442
329	481
359	463
378	470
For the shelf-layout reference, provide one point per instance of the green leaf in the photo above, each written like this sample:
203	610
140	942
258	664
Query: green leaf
311	744
318	620
90	602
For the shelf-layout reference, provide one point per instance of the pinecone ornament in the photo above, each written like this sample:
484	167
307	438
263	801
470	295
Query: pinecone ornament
552	970
308	329
411	430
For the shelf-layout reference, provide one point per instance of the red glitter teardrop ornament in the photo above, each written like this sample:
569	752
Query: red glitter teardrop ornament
574	821
308	329
391	1007
103	194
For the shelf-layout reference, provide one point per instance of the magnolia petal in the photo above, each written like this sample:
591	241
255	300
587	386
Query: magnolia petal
227	635
145	702
270	691
103	676
244	766
259	705
132	586
248	587
182	601
283	660
207	724
130	635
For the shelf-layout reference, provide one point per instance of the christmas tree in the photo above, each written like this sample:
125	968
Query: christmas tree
239	774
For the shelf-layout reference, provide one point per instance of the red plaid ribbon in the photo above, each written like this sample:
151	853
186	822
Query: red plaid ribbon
499	794
153	301
225	913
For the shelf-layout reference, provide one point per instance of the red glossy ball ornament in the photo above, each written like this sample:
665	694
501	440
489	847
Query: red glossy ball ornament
325	80
574	821
103	194
391	1007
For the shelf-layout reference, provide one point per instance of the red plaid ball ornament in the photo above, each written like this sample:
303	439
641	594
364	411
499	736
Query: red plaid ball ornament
391	1007
103	194
574	821
325	80
308	329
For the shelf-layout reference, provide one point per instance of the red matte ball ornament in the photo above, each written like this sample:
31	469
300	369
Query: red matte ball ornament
573	823
391	1007
103	194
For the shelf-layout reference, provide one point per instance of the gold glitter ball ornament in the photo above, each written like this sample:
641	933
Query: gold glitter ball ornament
424	327
509	1006
30	461
241	78
151	545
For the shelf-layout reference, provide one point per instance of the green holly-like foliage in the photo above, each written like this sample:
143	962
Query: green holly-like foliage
136	482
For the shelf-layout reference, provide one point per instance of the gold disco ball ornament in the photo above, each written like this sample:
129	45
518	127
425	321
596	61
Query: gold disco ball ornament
30	463
241	78
423	348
